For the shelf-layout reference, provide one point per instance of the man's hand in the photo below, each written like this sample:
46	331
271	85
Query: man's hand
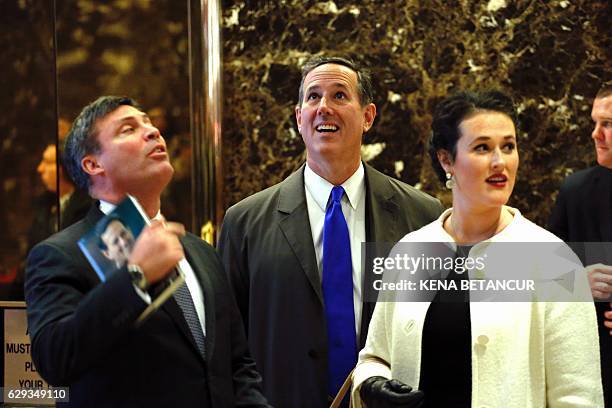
600	280
158	249
380	392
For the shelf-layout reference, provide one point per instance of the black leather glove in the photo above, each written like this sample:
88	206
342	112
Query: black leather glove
379	392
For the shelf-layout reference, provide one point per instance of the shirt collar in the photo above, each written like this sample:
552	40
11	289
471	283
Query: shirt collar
507	234
320	188
107	207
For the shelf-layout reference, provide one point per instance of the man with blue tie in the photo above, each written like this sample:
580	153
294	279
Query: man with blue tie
293	251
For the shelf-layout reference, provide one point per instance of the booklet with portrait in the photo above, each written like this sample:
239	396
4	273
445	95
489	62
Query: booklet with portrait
107	247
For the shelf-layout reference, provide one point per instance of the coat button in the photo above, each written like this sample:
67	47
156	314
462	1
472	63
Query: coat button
313	354
482	339
409	326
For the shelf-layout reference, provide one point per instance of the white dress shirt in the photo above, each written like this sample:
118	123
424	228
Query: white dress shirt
190	279
318	191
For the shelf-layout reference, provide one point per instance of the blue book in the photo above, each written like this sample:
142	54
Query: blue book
108	245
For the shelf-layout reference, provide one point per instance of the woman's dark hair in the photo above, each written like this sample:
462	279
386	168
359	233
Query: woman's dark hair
451	111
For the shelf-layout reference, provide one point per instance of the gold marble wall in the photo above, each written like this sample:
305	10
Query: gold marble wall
549	55
27	126
136	48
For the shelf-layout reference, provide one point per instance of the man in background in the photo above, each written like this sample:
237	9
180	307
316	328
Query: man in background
293	251
73	203
583	216
59	201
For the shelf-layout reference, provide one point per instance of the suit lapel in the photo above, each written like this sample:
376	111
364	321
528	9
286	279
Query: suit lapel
381	208
295	225
174	311
382	214
176	314
209	298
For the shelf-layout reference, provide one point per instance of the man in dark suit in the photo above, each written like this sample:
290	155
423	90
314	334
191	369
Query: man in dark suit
191	352
583	217
74	203
273	245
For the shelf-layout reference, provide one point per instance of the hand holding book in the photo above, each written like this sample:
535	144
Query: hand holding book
157	250
127	236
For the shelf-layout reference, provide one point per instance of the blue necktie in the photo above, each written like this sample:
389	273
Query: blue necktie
338	293
185	302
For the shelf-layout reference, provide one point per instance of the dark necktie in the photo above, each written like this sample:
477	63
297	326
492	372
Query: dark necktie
185	302
338	293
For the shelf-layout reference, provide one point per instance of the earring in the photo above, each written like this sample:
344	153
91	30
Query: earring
450	181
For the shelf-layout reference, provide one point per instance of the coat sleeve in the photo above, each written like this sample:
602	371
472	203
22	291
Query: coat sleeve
572	356
72	327
374	359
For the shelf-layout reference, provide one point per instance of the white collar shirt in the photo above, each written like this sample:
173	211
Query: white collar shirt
318	191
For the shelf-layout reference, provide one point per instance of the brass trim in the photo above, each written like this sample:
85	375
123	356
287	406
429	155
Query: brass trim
205	98
13	304
207	233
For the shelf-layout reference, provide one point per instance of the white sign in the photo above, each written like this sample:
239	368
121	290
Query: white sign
20	376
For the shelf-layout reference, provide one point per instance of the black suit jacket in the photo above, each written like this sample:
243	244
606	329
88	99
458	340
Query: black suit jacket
583	213
267	249
75	208
83	333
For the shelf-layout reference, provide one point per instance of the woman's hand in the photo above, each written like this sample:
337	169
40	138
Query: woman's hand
380	392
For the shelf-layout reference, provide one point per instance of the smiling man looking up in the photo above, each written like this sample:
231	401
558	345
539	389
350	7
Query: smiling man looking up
293	251
192	351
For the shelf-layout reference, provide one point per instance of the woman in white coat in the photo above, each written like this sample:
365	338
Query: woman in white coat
478	354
